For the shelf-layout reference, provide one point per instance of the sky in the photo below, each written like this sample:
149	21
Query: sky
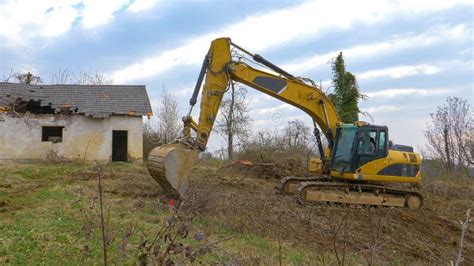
408	56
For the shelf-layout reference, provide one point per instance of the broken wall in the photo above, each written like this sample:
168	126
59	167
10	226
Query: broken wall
21	137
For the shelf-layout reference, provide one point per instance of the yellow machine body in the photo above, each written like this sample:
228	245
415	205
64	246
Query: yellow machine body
371	170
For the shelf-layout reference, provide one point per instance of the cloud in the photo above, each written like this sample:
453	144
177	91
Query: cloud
182	90
400	71
58	21
260	98
46	18
279	27
391	93
141	5
382	108
23	20
436	35
28	68
285	106
408	70
97	13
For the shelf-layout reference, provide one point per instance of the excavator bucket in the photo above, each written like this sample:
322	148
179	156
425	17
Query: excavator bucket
170	166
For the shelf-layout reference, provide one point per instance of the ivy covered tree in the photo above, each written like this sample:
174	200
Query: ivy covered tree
346	94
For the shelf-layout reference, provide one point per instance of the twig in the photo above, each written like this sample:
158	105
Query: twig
210	244
125	240
280	235
158	234
102	223
335	237
464	228
168	249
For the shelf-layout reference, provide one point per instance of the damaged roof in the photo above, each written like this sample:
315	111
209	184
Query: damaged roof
97	101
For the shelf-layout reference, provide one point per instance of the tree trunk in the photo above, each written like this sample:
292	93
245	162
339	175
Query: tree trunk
446	149
230	126
28	78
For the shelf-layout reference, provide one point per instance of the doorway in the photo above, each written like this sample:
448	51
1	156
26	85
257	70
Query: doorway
119	145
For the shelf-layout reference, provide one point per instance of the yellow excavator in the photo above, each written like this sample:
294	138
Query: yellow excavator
356	167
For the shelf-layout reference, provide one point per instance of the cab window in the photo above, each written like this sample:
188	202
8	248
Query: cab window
342	156
382	143
367	142
371	145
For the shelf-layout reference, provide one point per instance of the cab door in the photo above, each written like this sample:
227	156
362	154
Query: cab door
371	144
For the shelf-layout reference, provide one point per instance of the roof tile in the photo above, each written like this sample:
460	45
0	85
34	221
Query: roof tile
94	100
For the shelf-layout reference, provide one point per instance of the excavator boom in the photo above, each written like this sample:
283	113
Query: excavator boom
220	70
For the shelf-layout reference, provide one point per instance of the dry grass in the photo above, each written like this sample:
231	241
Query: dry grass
49	216
41	216
250	205
272	169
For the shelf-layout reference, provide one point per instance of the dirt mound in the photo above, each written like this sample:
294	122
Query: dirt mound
275	168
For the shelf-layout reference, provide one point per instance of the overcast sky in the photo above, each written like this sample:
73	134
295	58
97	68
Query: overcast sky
408	56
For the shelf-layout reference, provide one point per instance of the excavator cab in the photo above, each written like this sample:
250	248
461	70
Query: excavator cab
361	152
358	144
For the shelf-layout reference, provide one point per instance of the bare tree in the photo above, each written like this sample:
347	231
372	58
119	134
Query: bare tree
92	78
8	77
24	78
294	140
265	140
169	122
450	135
165	127
62	76
234	119
65	76
297	134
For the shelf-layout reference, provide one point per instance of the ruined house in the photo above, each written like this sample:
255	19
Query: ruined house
72	122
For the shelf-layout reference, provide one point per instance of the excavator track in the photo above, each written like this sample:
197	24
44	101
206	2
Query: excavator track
317	192
288	184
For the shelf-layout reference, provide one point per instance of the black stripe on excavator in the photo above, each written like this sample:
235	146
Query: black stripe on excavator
273	84
408	170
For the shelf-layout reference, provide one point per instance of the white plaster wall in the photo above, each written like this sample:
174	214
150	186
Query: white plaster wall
20	137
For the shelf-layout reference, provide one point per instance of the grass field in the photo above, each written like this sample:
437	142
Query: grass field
43	222
49	214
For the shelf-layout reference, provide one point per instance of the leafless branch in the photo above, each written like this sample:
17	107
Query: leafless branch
102	222
464	229
449	136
